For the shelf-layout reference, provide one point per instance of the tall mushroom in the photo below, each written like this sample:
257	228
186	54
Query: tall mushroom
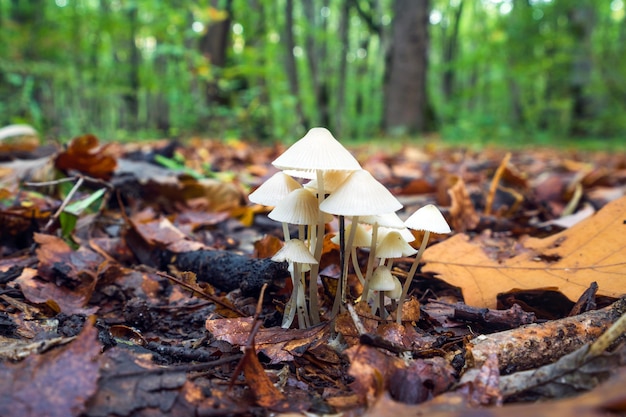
430	220
359	195
314	154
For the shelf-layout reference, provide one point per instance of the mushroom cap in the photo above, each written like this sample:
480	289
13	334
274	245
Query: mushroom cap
332	181
360	195
317	150
294	251
361	237
274	189
397	289
390	220
382	279
393	245
404	232
428	218
298	207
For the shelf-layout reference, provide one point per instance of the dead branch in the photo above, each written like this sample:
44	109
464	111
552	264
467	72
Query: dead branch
534	345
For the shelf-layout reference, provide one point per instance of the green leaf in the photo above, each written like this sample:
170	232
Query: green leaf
76	208
177	166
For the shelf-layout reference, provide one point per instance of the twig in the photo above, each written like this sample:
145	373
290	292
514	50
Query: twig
617	330
250	342
495	181
64	204
195	289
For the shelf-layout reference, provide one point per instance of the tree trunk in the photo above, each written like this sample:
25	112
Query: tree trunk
582	20
343	67
405	73
213	46
132	97
290	64
449	54
316	52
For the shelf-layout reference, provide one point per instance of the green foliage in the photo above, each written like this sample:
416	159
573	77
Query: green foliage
143	68
69	216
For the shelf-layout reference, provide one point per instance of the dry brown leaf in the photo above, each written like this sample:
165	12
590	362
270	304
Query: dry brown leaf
592	250
85	154
462	211
56	383
280	345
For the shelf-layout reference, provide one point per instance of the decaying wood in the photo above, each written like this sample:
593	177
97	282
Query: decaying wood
580	370
533	345
228	271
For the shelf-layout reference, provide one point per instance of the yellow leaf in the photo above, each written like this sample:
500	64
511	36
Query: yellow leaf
592	250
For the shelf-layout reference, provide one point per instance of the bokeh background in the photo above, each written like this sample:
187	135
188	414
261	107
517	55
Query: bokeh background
469	70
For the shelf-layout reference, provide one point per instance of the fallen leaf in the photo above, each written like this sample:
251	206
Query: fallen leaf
53	384
131	386
280	345
592	250
84	154
266	394
65	277
462	212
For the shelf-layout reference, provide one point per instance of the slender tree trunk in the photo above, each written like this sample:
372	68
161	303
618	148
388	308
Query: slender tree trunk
213	45
449	54
343	67
406	101
316	57
582	22
290	64
132	97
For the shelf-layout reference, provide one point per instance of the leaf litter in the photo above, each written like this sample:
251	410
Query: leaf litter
146	306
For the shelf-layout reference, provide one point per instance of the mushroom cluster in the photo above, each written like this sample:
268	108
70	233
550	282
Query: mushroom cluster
338	186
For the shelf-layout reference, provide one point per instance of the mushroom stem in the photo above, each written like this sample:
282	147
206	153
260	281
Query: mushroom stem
381	304
318	235
286	234
411	274
290	307
346	252
370	262
342	261
303	314
356	266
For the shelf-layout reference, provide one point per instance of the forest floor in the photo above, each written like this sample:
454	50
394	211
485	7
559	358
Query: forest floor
135	281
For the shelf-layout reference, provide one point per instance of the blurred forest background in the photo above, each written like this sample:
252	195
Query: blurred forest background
270	69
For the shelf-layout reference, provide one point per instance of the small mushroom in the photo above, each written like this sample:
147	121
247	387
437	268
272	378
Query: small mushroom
298	207
430	220
274	189
297	254
383	221
382	280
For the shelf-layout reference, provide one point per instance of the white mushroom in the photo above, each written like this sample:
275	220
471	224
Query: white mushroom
359	195
314	154
297	254
430	220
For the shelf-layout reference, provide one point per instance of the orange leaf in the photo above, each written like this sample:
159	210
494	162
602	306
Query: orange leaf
592	250
84	154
